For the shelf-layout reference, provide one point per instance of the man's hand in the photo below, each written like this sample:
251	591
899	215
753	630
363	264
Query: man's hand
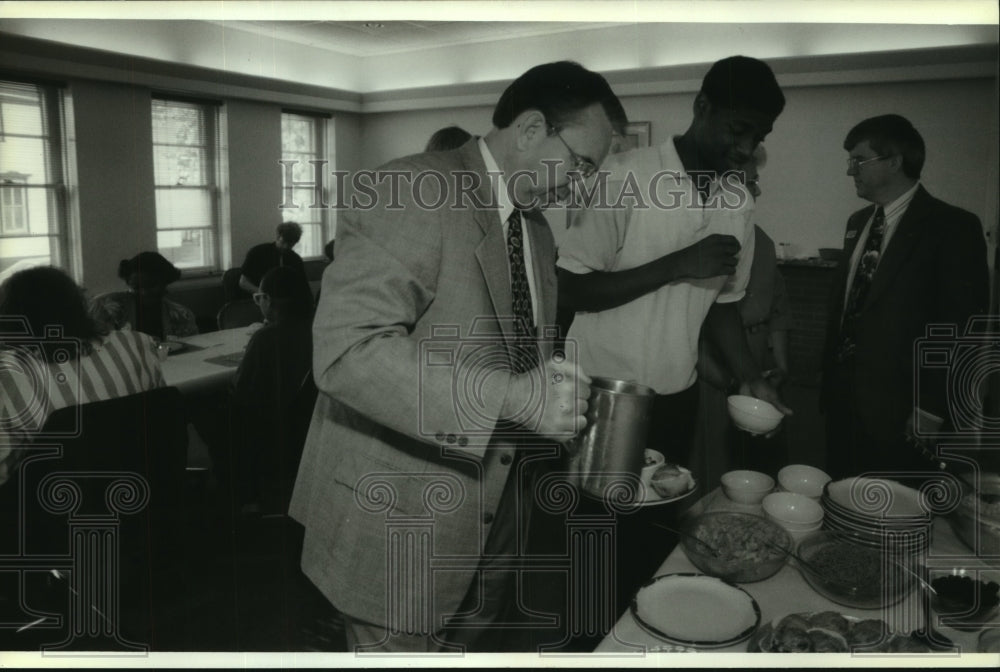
763	390
561	388
711	256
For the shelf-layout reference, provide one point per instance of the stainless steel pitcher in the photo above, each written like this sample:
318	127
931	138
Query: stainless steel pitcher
614	441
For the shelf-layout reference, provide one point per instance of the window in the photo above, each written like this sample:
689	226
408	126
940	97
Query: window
33	219
186	176
304	140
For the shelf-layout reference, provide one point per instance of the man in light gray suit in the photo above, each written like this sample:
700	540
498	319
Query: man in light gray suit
437	395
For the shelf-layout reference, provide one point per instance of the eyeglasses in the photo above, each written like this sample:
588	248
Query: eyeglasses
853	164
582	165
258	297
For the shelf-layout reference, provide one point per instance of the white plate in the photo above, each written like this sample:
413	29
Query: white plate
903	502
696	610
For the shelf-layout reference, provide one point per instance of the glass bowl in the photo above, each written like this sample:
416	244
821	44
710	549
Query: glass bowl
849	569
738	547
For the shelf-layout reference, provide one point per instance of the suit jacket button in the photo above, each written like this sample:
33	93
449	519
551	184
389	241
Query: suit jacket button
439	436
488	518
451	438
506	459
463	440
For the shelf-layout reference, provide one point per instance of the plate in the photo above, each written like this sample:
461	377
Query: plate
763	639
653	498
903	503
695	610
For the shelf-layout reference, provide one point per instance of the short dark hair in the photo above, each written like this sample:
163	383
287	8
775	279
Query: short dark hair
891	134
559	91
328	250
290	232
289	291
151	265
46	297
743	82
449	137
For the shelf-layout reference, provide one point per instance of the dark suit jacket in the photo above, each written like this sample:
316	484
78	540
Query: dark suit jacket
402	440
932	271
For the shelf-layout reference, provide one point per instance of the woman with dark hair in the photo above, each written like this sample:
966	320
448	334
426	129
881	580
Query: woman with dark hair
268	391
53	355
145	307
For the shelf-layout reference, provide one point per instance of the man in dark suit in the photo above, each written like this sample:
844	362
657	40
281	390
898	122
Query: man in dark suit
413	483
910	260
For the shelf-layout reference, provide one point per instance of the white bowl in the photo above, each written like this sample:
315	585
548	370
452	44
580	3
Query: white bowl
794	512
746	487
753	415
803	479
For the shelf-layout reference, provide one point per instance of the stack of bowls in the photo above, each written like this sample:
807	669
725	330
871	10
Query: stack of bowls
796	513
884	512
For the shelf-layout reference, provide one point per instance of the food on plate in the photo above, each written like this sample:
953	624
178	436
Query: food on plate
671	480
831	632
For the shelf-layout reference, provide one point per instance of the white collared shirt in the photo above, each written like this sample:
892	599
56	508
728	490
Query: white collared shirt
504	211
653	339
893	213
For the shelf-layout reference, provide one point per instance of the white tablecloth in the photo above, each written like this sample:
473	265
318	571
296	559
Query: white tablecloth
787	592
189	371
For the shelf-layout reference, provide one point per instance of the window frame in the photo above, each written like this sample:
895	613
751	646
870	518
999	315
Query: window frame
212	119
323	141
56	135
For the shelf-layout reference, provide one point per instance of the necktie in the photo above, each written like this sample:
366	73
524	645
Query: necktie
525	352
862	283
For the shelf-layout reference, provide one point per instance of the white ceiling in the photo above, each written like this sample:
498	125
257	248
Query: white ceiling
379	47
379	38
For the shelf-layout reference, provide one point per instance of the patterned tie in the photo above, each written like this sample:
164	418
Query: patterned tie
862	283
525	351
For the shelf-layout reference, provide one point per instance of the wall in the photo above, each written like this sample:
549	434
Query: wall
807	195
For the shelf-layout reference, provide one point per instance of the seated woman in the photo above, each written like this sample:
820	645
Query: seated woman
271	391
145	307
42	371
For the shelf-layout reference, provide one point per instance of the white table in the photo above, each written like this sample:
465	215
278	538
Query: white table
190	372
787	592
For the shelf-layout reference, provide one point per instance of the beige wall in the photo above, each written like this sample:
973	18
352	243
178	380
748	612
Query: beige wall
807	196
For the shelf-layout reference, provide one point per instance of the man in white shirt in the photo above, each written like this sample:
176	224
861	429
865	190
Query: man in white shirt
644	274
911	261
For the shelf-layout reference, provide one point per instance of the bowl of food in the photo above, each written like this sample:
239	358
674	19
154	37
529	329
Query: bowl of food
845	568
753	415
794	512
737	547
652	460
964	598
803	480
746	487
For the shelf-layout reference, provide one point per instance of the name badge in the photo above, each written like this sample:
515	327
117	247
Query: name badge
851	234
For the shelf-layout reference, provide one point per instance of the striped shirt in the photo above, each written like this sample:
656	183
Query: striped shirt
120	364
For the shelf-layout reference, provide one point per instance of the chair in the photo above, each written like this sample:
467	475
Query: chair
231	289
239	313
89	488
